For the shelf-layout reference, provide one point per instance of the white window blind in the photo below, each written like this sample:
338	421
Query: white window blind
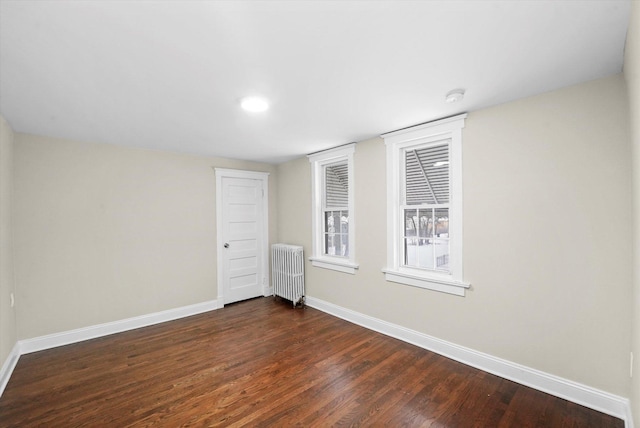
427	175
424	206
337	185
332	216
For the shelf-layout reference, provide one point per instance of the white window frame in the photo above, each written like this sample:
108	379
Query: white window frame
397	142
318	162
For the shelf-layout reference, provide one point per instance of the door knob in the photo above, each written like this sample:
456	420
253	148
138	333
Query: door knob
226	245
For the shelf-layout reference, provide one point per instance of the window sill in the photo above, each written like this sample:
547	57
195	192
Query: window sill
445	285
344	266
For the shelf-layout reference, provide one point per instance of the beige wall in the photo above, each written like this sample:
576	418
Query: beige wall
294	203
558	268
547	221
632	76
7	285
104	233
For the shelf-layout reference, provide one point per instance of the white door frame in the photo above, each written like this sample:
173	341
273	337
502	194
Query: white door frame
255	175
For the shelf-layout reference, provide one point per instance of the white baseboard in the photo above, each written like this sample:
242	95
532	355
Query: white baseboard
78	335
551	384
628	419
572	391
8	366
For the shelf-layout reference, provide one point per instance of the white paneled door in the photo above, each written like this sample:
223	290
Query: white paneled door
241	237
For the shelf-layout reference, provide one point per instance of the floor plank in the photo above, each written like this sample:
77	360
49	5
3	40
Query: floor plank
262	363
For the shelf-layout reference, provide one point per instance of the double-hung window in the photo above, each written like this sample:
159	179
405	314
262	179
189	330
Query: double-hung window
424	206
333	209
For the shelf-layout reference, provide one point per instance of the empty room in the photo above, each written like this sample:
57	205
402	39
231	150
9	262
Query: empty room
320	213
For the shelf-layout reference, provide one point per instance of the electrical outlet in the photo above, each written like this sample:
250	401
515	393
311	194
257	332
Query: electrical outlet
12	299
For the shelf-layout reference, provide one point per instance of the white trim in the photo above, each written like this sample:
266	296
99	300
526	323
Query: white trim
628	419
318	160
583	395
255	175
444	284
49	341
440	126
8	366
397	142
240	173
337	264
332	154
589	397
86	333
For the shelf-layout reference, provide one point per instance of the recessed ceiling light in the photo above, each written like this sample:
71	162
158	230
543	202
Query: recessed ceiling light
254	104
455	96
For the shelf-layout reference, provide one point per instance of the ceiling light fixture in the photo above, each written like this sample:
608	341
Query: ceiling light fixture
454	96
254	104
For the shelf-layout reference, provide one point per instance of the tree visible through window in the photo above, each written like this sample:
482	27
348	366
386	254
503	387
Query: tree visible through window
424	206
332	178
336	210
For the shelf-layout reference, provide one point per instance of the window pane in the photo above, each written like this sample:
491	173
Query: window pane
426	223
410	252
336	233
344	221
410	227
425	254
329	225
441	253
426	243
418	253
442	222
345	245
344	232
328	243
426	230
329	232
337	249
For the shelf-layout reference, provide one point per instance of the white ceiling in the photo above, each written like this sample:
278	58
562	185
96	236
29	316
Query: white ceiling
168	75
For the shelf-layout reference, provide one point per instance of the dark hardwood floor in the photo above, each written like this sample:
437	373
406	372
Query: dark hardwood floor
262	363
